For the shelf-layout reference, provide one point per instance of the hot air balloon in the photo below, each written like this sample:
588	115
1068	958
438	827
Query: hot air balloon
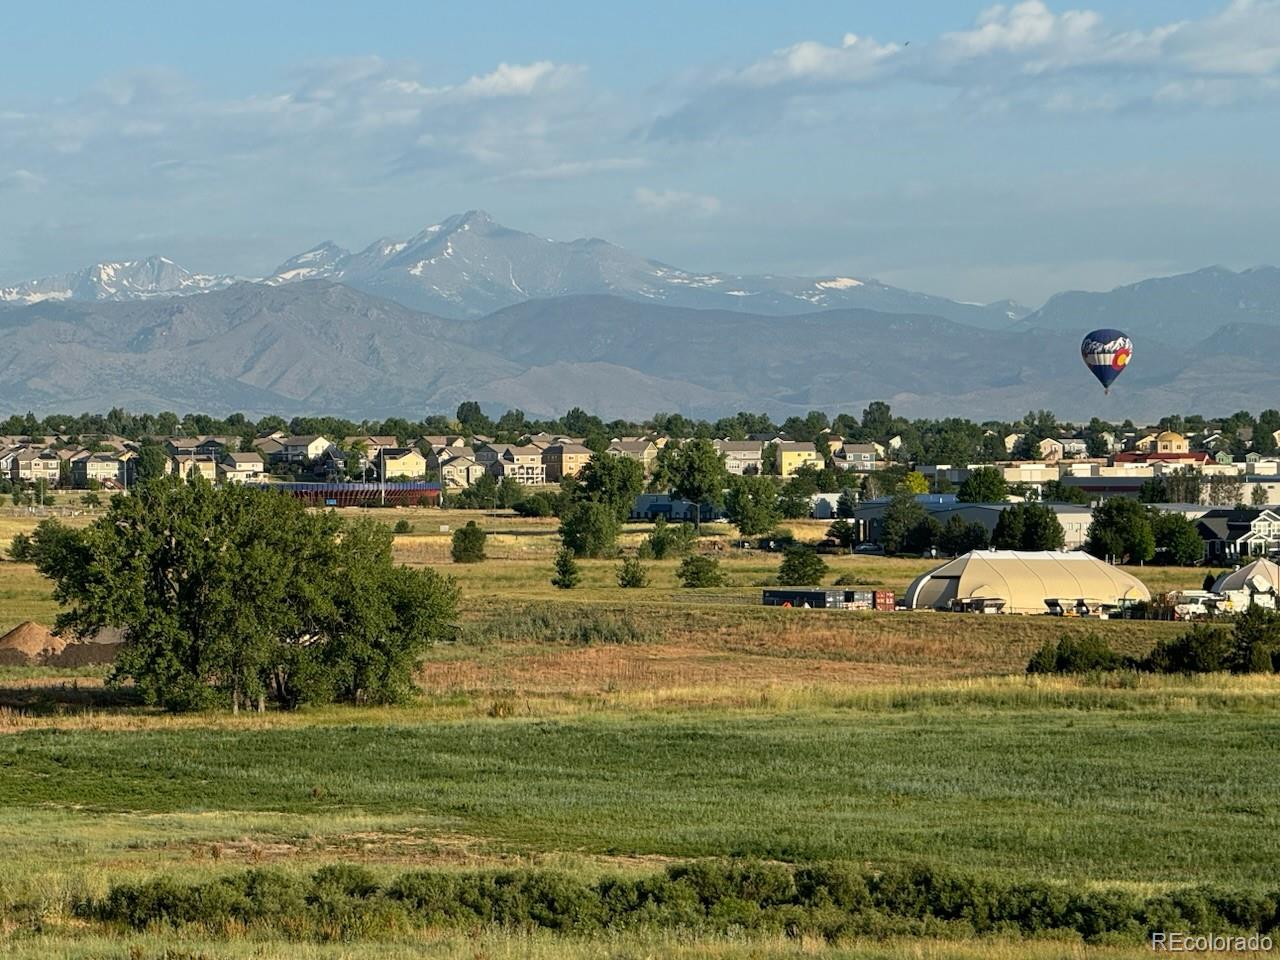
1106	353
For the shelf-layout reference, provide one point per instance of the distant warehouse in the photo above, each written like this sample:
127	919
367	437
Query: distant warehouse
1019	581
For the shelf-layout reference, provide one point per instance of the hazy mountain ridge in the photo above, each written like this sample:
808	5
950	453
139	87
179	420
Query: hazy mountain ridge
1183	309
317	347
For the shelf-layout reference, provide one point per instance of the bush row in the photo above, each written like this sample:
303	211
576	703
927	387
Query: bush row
1250	643
830	900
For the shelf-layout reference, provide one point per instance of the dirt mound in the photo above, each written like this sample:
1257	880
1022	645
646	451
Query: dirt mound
85	653
29	643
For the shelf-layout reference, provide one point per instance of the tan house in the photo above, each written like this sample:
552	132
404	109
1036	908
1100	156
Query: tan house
240	467
1170	442
271	448
403	462
189	467
461	471
31	464
646	451
105	468
522	463
437	457
564	459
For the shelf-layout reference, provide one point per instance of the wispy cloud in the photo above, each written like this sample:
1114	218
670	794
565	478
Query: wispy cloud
676	201
23	180
1022	54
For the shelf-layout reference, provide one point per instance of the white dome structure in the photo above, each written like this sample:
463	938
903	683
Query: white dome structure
1021	581
1255	577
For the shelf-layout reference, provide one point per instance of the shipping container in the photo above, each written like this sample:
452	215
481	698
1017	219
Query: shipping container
815	597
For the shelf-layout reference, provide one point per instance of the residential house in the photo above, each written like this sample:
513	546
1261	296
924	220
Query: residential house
369	446
110	469
1145	443
206	446
646	451
306	447
792	455
271	447
862	457
522	463
404	462
564	459
1232	533
240	467
437	457
1011	441
460	471
742	458
1170	442
188	467
31	464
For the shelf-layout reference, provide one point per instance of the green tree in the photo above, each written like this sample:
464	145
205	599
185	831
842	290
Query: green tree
1055	491
847	504
589	528
801	567
669	540
1176	539
1257	641
1121	530
614	481
924	536
698	474
468	543
152	462
752	505
566	575
631	574
1259	496
960	536
844	533
901	516
984	485
327	613
697	571
1028	526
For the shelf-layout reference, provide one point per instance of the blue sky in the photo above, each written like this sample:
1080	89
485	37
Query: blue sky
965	149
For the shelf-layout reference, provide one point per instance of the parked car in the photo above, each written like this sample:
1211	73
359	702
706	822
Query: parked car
868	548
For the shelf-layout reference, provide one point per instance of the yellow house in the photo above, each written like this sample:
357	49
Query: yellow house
401	462
793	455
1170	442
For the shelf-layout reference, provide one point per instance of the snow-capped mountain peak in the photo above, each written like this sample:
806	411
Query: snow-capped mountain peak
117	280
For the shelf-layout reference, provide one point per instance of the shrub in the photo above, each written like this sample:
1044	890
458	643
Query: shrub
468	543
20	549
566	575
668	540
402	526
1202	649
589	529
801	567
540	504
699	571
831	900
631	574
1075	655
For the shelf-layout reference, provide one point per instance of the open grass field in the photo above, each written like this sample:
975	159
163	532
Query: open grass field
605	731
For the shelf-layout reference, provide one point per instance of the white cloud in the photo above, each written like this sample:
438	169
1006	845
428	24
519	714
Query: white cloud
519	80
1020	55
677	201
21	180
573	169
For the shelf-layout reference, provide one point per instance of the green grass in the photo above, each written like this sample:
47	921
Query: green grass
1143	792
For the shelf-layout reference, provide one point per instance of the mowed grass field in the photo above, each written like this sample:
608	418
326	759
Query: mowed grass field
673	724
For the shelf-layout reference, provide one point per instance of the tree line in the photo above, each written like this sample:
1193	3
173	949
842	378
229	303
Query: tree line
923	440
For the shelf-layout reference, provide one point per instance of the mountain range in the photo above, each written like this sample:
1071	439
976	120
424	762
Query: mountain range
468	309
469	266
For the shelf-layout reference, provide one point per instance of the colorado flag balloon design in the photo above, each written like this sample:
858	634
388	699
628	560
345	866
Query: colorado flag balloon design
1106	353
